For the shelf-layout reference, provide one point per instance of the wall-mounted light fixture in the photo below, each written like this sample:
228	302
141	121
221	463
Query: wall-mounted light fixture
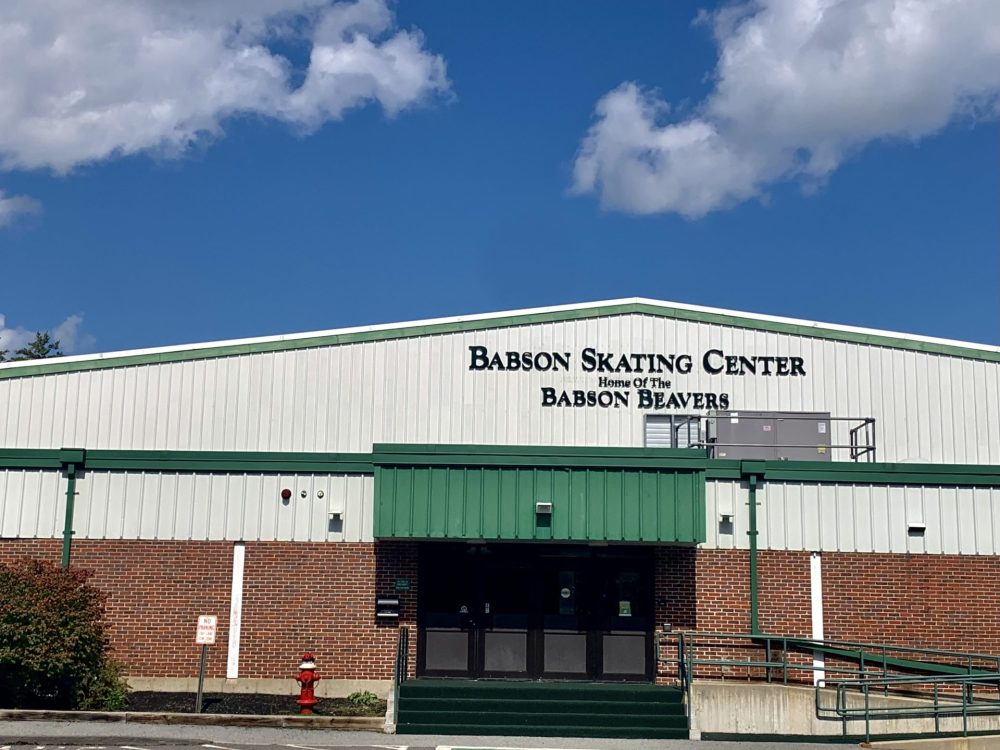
916	528
543	508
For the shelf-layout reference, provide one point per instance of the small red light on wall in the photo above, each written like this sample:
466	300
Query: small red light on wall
286	494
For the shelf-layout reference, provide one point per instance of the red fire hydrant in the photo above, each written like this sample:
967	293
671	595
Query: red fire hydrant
307	678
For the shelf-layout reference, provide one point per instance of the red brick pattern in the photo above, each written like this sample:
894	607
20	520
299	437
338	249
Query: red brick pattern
296	596
156	590
948	602
321	596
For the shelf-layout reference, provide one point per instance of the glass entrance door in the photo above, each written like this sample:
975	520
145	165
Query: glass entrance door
534	611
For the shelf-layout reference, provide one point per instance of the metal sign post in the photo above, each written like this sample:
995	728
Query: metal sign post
205	637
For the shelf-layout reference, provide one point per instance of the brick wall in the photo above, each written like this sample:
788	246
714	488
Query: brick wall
948	602
296	596
156	590
321	597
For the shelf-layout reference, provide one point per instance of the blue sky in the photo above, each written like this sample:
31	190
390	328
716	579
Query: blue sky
470	198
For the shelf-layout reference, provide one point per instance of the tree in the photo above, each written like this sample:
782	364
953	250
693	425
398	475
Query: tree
53	640
41	347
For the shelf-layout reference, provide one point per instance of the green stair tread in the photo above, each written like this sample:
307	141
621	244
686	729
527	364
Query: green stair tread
543	731
536	690
501	718
532	705
539	708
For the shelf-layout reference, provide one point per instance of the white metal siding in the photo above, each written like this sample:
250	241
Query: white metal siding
857	518
791	516
31	501
151	505
419	390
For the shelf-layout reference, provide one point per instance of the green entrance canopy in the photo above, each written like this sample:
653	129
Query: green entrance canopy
525	494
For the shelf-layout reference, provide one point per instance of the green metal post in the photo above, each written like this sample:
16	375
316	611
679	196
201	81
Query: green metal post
70	470
752	533
72	460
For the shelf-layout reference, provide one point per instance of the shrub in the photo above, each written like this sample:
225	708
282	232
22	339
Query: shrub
363	699
53	641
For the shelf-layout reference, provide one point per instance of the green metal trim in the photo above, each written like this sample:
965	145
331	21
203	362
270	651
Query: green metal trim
231	462
433	329
515	456
464	449
588	504
222	462
30	458
931	475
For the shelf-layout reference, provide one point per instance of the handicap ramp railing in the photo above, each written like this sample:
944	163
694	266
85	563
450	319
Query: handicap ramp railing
847	675
918	697
401	668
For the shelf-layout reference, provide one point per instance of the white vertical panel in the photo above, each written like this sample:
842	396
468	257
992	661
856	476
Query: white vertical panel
816	608
724	496
32	503
984	519
235	612
864	518
235	507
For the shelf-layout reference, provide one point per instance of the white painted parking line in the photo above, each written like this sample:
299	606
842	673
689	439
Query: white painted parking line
133	747
220	747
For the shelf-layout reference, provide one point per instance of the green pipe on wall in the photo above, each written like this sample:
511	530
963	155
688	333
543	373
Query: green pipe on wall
70	502
71	459
752	533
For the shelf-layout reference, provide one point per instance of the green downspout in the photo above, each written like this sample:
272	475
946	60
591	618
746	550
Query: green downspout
752	533
754	472
71	461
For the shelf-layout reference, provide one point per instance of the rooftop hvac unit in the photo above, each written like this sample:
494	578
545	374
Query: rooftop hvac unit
770	435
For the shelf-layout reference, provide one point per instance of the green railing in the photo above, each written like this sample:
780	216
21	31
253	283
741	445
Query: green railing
928	697
940	683
401	668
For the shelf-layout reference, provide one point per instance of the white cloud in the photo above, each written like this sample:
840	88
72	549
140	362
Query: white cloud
800	86
71	338
13	206
86	80
68	333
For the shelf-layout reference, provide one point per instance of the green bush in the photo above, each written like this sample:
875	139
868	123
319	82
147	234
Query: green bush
53	641
363	699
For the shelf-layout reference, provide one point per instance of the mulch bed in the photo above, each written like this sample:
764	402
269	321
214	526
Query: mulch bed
244	703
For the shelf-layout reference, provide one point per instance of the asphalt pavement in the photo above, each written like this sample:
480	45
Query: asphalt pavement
68	735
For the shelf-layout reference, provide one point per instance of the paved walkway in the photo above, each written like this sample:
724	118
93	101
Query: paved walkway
71	735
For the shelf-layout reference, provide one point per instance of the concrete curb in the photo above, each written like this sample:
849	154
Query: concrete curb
358	723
